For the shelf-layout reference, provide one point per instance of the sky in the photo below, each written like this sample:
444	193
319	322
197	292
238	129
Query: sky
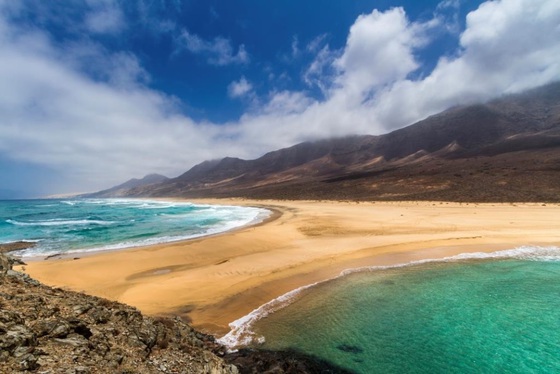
95	92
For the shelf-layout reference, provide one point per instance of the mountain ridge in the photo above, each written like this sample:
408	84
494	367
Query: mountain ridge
122	189
490	145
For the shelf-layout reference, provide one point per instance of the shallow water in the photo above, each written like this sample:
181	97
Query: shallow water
62	226
483	316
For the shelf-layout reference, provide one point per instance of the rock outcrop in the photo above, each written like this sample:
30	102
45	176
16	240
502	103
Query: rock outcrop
51	330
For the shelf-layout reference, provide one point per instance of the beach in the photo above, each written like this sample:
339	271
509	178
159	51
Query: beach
218	279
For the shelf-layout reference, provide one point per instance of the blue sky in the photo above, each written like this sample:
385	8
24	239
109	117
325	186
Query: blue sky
95	92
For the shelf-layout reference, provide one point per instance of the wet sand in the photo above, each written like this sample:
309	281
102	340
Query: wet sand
218	279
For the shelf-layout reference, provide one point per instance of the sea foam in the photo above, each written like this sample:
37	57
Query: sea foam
60	222
242	333
87	225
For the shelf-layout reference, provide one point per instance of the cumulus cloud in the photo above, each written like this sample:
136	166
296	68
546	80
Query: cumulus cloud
96	131
105	126
239	88
287	103
508	46
379	51
218	51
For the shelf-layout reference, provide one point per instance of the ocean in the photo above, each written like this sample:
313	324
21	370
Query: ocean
472	313
81	225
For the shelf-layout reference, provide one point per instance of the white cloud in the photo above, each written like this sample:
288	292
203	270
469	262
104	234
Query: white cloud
315	45
239	88
508	46
321	70
121	69
287	103
217	51
375	42
101	132
105	126
151	16
104	18
447	12
378	52
295	46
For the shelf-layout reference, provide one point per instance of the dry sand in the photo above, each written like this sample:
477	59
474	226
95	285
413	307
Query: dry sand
218	279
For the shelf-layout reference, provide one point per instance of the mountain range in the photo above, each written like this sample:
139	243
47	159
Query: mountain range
505	150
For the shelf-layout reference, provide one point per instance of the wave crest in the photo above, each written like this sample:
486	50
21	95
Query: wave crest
60	222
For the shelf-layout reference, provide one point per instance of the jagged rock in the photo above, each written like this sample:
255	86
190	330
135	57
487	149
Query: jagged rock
61	330
28	362
5	264
73	341
21	351
100	315
12	273
49	330
81	309
15	246
9	317
16	336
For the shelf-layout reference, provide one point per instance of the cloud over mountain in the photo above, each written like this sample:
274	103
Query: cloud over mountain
92	111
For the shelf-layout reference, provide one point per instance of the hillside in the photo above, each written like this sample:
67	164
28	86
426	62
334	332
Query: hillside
51	330
505	150
122	189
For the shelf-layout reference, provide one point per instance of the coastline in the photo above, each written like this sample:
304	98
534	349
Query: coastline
218	279
262	216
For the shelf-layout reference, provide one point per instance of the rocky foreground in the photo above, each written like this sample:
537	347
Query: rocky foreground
50	330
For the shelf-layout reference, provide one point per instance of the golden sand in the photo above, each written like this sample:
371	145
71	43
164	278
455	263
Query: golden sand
218	279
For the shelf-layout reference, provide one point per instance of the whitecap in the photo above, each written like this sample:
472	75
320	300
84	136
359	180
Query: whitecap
255	215
60	222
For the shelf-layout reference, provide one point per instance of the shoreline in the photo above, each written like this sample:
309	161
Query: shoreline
242	333
261	218
215	280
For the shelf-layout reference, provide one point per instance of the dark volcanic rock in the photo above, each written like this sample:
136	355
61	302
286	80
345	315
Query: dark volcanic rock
15	246
50	330
250	361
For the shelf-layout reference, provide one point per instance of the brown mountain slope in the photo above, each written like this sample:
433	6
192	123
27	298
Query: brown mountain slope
122	189
505	150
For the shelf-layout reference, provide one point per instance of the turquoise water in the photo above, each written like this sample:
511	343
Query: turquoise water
493	315
61	226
